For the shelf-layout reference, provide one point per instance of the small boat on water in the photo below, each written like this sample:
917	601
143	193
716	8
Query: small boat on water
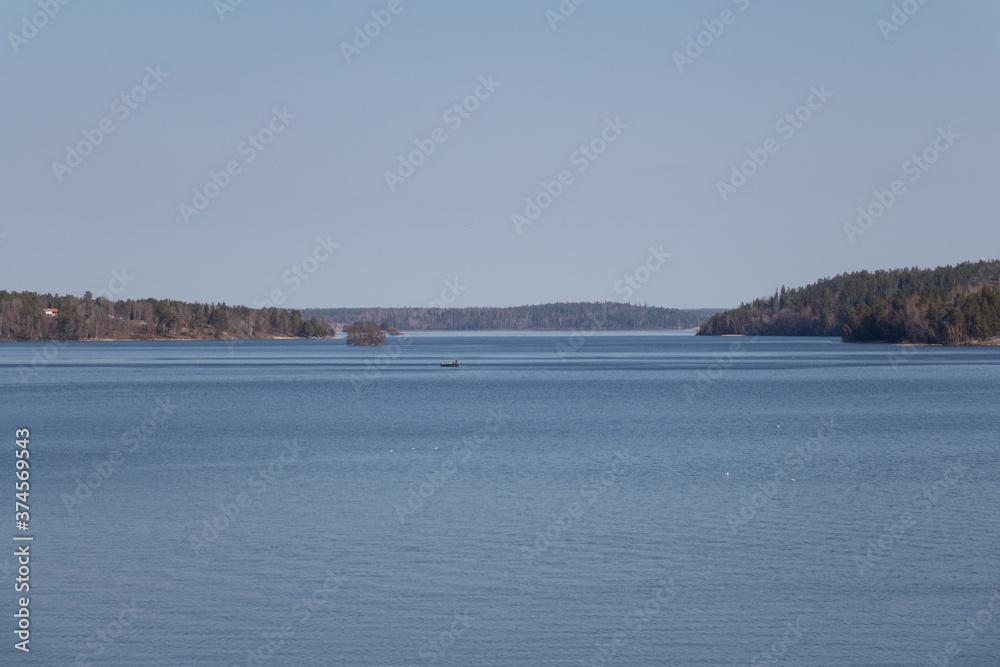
452	364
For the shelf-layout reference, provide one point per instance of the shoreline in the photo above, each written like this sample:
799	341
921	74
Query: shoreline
166	340
341	336
988	342
984	342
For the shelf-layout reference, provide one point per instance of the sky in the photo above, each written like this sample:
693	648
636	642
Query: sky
395	152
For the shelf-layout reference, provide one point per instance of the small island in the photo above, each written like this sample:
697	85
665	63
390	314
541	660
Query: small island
367	334
950	305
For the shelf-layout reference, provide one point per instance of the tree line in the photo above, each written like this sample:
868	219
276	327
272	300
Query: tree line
547	317
23	318
947	305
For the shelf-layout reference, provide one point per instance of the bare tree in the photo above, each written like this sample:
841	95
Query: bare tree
365	333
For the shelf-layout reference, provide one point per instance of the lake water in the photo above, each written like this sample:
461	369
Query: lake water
639	499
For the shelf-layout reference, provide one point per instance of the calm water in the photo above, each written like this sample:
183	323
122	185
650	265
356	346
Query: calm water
551	498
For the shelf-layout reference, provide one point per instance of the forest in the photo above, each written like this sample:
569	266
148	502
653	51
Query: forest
23	317
547	317
949	305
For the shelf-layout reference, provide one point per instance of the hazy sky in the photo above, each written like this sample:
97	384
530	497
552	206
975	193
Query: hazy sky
309	129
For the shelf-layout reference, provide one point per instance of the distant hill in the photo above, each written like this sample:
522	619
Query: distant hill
947	305
547	317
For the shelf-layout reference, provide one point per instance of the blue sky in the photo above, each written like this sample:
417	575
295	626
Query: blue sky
553	88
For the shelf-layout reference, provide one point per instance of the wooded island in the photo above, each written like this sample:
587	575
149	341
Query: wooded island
950	305
27	316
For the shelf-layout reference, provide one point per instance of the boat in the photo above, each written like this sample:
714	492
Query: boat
452	364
